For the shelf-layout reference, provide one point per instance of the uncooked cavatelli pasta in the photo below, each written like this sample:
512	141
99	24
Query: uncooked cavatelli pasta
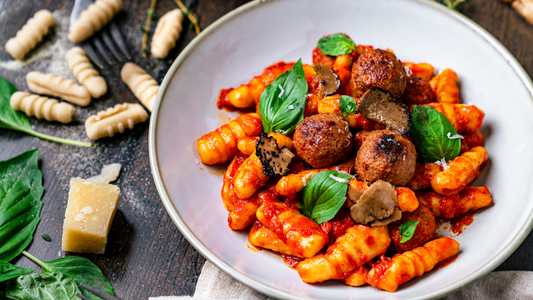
93	18
143	86
30	34
85	73
42	107
57	86
167	33
114	119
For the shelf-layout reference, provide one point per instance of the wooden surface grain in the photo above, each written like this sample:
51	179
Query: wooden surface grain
146	254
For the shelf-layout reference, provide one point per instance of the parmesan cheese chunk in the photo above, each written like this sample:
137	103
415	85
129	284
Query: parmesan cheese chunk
90	211
108	174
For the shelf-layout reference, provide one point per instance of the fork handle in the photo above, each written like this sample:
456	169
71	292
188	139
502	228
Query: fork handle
523	7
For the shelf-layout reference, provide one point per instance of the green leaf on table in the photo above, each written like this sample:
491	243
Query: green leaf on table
46	237
14	120
347	105
21	190
46	286
407	230
282	103
433	135
336	44
80	269
323	195
9	271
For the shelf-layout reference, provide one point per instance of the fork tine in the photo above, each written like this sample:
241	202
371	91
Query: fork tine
111	45
97	60
119	40
99	44
99	293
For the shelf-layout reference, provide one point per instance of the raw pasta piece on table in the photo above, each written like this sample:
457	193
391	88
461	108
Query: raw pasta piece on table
469	199
391	273
42	107
220	145
114	119
85	73
166	33
143	86
358	246
92	19
30	34
57	86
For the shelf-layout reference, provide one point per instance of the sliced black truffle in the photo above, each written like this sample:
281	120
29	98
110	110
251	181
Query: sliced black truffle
378	202
382	107
329	80
275	161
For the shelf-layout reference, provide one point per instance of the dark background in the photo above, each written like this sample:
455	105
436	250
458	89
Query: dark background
146	255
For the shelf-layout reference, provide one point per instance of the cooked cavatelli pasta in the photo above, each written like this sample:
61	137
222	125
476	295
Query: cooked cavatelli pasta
469	199
30	34
93	18
445	87
85	73
114	120
167	33
57	86
42	107
143	86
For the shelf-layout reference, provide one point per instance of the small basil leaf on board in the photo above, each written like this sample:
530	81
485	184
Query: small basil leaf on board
323	195
9	271
21	190
282	103
407	230
347	105
336	45
14	120
46	237
80	269
46	286
430	135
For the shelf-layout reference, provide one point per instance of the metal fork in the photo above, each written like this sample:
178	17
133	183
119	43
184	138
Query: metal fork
107	46
96	292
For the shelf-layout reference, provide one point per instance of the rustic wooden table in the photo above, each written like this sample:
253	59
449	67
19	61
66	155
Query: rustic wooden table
146	254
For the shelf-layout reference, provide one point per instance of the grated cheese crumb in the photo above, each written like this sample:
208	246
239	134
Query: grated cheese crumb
341	180
443	163
282	91
457	136
290	107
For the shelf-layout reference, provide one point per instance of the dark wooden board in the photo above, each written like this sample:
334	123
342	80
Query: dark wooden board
147	255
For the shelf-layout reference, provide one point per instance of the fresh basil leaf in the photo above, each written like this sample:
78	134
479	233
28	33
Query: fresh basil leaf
80	269
347	105
323	195
430	135
407	230
9	271
282	103
46	237
14	120
3	296
46	286
21	190
336	45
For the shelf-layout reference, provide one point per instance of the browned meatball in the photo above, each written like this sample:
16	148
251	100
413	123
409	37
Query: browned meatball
378	68
322	140
388	156
417	91
425	229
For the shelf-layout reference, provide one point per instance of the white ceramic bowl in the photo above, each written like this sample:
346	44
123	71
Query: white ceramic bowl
242	43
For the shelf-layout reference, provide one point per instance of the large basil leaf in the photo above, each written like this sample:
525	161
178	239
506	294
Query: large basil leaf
282	103
9	271
21	190
430	134
46	286
80	269
407	230
14	120
336	45
323	195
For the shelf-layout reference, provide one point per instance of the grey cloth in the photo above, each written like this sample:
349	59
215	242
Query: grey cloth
215	284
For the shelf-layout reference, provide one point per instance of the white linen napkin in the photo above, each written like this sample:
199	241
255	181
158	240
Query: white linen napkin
215	284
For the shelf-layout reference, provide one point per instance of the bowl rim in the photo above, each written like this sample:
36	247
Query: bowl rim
257	285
